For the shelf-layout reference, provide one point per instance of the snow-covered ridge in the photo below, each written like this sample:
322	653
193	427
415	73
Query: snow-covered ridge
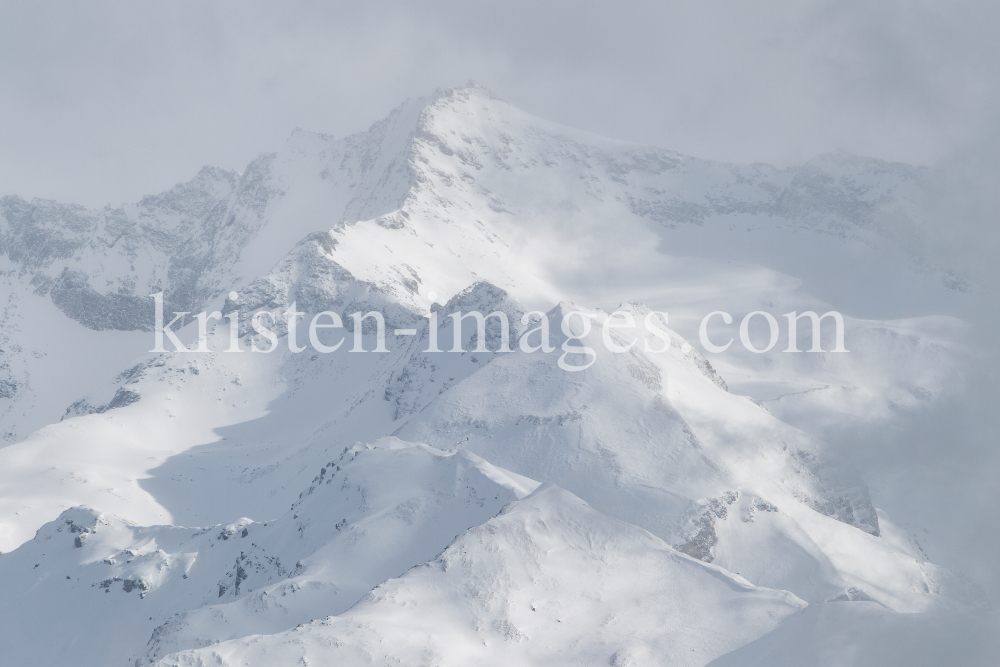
200	239
445	191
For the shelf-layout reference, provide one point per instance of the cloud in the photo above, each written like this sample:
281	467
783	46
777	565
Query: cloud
109	101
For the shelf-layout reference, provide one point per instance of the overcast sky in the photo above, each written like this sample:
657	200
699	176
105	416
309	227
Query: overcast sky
103	102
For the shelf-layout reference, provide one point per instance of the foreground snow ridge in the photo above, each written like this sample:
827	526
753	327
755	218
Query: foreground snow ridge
548	581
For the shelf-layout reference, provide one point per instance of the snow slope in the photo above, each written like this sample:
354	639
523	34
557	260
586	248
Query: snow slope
371	513
549	581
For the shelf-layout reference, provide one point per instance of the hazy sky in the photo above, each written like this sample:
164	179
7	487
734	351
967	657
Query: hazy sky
106	101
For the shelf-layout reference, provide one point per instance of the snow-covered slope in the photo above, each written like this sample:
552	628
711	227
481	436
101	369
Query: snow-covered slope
550	581
461	187
729	507
370	514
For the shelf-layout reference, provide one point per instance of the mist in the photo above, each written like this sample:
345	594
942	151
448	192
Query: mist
107	102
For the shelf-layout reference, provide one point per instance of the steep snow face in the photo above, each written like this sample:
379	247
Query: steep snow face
204	237
650	437
461	187
371	513
550	581
492	183
548	214
195	243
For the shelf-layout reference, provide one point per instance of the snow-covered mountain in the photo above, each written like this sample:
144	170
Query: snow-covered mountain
660	507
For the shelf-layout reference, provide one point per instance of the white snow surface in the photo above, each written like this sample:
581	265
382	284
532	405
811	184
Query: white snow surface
549	581
660	507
